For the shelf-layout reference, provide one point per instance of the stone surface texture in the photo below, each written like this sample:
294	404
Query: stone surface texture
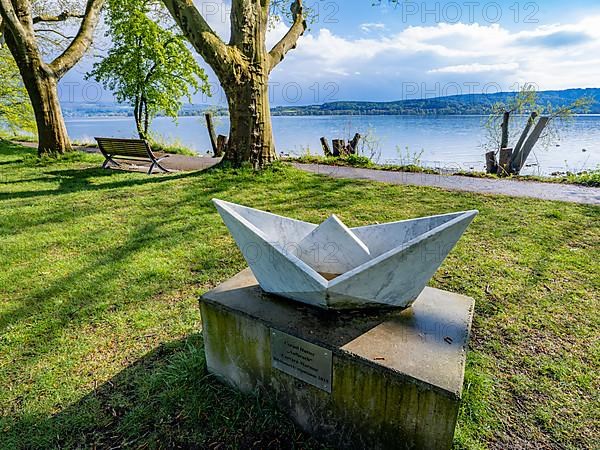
335	267
397	375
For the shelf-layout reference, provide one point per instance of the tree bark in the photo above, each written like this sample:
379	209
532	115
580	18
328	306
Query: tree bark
250	132
52	132
42	88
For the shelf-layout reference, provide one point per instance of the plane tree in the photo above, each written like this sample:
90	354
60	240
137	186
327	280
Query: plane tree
243	66
26	26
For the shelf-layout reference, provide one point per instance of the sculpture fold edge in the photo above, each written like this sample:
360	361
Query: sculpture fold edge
334	267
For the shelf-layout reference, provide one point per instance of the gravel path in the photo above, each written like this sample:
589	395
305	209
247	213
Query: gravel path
532	189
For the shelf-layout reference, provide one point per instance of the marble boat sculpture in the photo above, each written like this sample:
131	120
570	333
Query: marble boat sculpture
335	267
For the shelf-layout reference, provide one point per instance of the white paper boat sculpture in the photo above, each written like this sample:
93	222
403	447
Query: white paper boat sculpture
335	267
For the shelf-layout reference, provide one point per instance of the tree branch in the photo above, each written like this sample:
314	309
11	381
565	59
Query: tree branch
10	18
218	55
75	51
290	39
60	18
50	30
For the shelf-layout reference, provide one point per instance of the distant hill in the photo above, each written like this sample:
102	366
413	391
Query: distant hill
451	105
113	109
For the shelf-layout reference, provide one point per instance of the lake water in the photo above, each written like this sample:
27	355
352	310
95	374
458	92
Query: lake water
453	142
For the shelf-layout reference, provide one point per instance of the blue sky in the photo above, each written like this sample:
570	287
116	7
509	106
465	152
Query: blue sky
365	50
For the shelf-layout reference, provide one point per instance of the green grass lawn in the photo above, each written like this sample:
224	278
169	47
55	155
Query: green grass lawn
100	272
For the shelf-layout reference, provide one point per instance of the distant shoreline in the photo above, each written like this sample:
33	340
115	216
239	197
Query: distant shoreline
121	116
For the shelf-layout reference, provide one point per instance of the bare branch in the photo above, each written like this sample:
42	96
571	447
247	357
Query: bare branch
50	30
82	41
60	18
290	39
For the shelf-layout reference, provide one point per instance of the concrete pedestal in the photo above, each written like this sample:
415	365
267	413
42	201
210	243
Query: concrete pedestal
386	379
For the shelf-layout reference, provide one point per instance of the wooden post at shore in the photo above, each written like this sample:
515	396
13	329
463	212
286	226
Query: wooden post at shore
491	166
339	147
525	132
518	160
221	145
353	144
325	145
505	122
211	133
504	161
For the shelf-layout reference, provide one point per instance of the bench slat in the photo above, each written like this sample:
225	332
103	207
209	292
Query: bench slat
125	147
132	149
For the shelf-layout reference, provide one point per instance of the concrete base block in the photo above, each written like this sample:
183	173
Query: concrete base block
386	379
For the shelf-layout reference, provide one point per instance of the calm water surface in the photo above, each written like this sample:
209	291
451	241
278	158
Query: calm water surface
445	141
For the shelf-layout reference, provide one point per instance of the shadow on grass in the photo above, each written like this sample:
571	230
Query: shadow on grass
166	399
9	148
77	180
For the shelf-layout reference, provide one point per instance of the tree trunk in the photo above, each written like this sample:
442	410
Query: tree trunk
137	116
250	132
146	119
42	88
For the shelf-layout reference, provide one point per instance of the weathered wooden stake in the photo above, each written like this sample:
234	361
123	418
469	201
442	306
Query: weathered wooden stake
221	145
516	160
491	166
339	147
325	145
211	133
505	121
353	144
530	143
504	161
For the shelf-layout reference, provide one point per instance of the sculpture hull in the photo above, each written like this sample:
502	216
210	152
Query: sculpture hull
334	267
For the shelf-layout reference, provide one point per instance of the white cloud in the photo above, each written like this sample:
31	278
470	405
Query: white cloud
476	68
369	27
556	56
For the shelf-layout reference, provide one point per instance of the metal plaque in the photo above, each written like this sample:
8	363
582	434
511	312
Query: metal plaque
300	359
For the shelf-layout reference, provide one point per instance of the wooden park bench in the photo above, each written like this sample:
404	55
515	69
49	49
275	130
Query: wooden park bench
129	149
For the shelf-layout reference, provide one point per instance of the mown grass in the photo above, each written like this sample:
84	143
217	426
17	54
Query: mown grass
100	272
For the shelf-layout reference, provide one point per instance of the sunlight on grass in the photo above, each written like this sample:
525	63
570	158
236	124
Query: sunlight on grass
100	272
